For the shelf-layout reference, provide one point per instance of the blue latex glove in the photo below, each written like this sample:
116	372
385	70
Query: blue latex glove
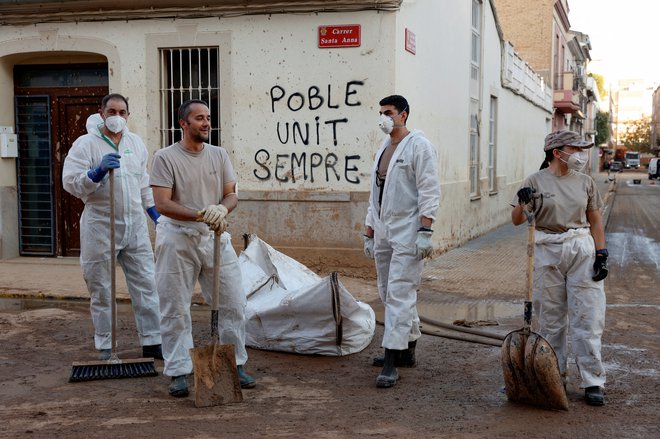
153	214
109	161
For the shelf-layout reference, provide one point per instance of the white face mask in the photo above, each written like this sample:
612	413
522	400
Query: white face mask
386	124
576	161
115	124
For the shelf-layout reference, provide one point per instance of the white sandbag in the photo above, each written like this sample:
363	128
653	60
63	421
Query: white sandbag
291	309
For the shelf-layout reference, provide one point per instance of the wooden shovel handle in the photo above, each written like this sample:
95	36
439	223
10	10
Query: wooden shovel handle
215	294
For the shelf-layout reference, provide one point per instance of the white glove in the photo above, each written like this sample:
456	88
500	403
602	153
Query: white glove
423	244
368	246
213	215
221	227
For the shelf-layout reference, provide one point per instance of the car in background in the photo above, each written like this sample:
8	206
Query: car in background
654	168
616	166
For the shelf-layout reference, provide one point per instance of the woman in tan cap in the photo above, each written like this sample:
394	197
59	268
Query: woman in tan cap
570	258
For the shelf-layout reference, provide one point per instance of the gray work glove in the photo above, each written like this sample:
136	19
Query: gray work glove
423	244
368	246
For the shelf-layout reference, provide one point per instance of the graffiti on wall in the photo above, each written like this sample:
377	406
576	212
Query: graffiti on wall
317	136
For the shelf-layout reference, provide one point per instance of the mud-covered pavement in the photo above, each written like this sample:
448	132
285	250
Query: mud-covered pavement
455	391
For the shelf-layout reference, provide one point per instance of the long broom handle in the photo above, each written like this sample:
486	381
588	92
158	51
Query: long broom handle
215	294
113	280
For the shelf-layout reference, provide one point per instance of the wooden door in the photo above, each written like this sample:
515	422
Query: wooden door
72	113
73	93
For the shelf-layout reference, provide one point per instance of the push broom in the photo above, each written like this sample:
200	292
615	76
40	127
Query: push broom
113	367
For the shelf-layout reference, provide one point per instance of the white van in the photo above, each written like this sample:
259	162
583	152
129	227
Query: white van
654	169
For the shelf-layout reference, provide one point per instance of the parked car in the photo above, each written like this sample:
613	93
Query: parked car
616	166
654	168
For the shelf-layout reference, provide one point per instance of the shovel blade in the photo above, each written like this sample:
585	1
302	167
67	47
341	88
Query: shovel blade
215	376
531	372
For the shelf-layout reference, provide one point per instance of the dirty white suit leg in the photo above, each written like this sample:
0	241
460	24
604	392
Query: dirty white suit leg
178	263
137	261
399	272
586	307
564	295
231	314
97	277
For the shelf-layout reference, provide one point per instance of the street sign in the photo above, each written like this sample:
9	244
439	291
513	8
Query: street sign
339	36
411	42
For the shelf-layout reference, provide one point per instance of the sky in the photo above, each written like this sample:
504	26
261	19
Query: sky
624	36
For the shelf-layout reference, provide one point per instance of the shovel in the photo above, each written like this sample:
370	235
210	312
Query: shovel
215	375
529	363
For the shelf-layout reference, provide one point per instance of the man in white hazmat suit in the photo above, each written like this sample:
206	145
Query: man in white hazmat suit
195	189
405	195
570	258
107	145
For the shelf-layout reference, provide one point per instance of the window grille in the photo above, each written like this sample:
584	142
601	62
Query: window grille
188	73
475	96
492	145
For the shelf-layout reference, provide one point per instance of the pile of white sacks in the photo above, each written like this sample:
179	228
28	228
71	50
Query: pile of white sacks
292	309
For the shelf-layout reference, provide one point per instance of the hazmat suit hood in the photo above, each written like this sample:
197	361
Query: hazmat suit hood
95	122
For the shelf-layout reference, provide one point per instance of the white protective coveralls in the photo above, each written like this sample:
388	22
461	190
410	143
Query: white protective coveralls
184	254
563	292
133	248
411	190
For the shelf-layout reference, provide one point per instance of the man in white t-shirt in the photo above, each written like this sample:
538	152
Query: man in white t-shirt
195	189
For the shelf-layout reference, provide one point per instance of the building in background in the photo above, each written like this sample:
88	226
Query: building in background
540	31
655	122
293	88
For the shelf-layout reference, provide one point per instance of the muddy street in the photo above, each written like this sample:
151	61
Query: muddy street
455	391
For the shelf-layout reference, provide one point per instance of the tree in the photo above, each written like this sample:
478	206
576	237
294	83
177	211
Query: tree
637	135
602	128
600	83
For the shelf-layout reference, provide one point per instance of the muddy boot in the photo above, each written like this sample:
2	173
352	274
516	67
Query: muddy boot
179	386
247	382
406	359
389	374
594	395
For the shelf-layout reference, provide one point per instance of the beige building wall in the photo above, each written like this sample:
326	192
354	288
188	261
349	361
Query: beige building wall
263	53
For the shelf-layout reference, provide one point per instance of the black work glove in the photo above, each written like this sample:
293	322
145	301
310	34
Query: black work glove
600	265
525	195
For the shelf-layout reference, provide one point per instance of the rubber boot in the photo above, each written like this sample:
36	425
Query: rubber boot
246	381
389	374
152	351
594	395
406	359
179	386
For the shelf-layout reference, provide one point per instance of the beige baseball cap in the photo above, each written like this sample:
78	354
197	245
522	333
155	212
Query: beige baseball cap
558	139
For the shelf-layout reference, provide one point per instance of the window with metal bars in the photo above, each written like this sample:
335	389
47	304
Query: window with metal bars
188	73
492	146
475	96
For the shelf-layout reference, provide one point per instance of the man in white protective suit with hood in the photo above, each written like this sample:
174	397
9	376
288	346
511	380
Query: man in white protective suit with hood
107	145
405	195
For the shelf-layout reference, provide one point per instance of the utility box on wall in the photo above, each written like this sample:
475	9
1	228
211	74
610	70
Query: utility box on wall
8	142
